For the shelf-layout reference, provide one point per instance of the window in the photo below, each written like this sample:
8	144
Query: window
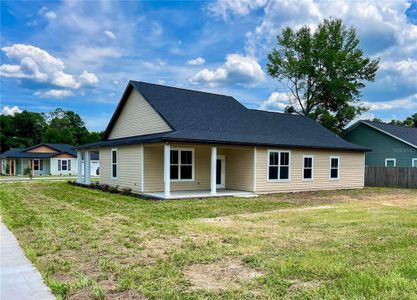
114	163
64	165
390	162
414	162
334	167
279	165
308	167
181	164
37	164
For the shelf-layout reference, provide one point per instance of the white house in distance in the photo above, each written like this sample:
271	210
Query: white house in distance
167	142
44	159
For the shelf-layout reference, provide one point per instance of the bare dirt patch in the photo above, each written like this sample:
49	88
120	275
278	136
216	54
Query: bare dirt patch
219	275
304	285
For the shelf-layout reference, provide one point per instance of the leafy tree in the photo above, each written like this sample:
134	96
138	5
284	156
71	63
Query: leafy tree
30	128
324	71
411	121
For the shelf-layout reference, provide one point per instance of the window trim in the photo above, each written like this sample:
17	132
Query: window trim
312	168
179	149
395	162
338	168
59	164
279	157
412	162
112	163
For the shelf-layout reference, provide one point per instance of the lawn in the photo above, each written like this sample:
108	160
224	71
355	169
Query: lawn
358	244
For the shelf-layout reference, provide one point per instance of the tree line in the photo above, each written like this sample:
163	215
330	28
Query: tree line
29	128
408	122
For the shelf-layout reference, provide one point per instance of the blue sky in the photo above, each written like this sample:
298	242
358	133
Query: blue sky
79	55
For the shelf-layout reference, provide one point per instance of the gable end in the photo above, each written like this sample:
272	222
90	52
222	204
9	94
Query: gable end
135	116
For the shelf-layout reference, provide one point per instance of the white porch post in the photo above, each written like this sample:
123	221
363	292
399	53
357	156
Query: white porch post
87	167
79	168
213	170
167	171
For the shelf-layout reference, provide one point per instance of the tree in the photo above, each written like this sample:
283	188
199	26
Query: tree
324	72
30	128
411	121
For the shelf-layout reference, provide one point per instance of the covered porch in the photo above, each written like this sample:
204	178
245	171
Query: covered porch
185	170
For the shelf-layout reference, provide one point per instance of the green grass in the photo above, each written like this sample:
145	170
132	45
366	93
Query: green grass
359	244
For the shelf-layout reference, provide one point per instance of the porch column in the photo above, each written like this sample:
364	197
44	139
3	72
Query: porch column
213	171
87	167
10	167
14	167
33	167
167	170
79	168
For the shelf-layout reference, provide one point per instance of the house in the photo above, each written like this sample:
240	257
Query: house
44	159
168	142
392	146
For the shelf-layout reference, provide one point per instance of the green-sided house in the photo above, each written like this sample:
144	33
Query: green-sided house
392	146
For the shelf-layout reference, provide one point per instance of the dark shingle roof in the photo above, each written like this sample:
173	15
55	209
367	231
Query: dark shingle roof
206	117
407	134
60	148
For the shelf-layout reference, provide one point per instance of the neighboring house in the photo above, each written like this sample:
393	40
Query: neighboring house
392	146
43	159
169	142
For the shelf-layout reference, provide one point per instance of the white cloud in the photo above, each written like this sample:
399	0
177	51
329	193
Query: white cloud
224	8
38	65
88	79
49	14
238	69
10	110
407	103
57	94
276	101
196	61
109	34
405	69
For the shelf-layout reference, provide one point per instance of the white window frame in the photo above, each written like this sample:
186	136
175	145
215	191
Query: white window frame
388	159
338	168
112	163
312	168
179	164
59	162
38	164
62	165
279	151
412	161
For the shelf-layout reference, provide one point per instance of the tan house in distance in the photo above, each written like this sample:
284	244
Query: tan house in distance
167	143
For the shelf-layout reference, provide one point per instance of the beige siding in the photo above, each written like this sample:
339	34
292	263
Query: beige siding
351	171
154	174
239	169
129	167
137	118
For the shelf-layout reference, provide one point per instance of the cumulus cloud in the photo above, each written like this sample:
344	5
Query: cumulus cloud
276	101
407	103
196	61
109	34
238	69
10	110
57	94
405	69
35	64
45	12
224	8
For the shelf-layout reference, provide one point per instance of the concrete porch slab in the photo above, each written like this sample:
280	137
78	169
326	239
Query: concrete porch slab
199	194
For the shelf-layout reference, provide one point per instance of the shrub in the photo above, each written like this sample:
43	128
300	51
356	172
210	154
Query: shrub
114	189
28	172
126	191
104	187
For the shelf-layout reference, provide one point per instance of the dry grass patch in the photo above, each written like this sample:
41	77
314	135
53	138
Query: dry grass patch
220	275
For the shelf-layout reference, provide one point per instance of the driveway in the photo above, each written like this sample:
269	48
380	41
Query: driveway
18	277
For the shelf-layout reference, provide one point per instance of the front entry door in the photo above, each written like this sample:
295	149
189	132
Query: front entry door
220	171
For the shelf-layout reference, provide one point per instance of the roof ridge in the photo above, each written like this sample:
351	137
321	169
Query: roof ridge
383	123
178	88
